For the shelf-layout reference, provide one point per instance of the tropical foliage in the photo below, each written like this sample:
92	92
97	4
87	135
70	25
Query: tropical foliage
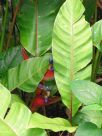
50	67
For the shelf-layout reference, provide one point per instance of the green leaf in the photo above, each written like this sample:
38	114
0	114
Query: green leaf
68	43
5	130
92	107
89	8
5	98
17	114
88	129
87	92
93	116
35	21
97	34
16	98
19	121
54	124
28	74
16	120
34	132
9	59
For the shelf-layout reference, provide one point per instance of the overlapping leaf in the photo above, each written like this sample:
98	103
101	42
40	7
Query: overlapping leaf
19	121
88	129
35	21
28	74
72	49
87	92
89	8
88	116
97	34
90	94
9	59
54	124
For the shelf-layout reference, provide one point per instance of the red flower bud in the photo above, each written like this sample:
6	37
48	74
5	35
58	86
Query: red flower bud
24	54
49	75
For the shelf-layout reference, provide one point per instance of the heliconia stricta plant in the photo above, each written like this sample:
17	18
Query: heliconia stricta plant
50	55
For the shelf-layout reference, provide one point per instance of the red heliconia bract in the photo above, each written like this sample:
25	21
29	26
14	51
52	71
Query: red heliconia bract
24	54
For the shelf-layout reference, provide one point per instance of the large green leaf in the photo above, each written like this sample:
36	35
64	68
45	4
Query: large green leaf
87	92
35	21
19	121
55	124
72	49
97	34
88	129
28	74
16	121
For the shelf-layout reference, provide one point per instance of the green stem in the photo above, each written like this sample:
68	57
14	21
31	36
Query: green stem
96	54
4	26
95	65
95	19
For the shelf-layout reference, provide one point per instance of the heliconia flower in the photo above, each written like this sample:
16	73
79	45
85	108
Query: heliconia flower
24	54
49	75
37	102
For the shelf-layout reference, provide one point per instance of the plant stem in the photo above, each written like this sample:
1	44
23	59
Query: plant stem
4	26
95	12
61	133
70	113
96	56
13	22
95	65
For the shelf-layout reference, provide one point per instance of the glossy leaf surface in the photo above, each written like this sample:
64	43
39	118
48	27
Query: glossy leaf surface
28	74
35	21
71	39
87	92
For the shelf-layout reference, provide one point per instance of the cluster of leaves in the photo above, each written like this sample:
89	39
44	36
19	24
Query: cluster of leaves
46	28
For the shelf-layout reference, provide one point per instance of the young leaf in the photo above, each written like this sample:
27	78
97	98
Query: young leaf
87	92
71	39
